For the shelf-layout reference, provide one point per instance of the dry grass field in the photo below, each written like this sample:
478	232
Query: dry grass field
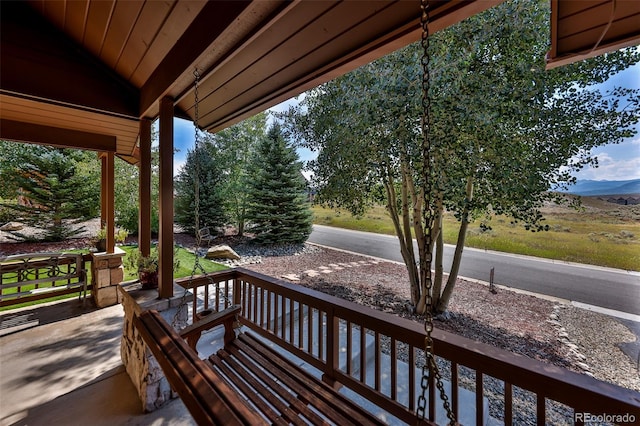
600	233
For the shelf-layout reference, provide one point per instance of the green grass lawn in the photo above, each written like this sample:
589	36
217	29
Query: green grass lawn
184	261
603	234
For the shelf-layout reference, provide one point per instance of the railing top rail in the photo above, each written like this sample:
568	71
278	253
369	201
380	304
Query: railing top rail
38	256
204	279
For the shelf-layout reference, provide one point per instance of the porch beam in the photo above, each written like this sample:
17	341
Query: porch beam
144	197
165	236
48	135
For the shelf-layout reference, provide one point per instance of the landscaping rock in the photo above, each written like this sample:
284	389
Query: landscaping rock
222	252
11	226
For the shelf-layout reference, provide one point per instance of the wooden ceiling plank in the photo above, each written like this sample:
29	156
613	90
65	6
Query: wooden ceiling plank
47	135
181	15
76	19
596	17
554	28
584	41
214	18
146	30
98	19
125	16
570	8
55	12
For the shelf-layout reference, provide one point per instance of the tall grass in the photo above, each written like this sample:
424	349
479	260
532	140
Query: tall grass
603	234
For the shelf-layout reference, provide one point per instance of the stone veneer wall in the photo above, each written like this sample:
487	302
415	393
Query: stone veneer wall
142	367
107	273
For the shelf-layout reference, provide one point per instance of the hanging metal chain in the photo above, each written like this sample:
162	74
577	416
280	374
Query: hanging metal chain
197	266
430	366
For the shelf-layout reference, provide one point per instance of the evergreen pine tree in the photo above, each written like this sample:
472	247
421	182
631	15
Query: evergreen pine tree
210	200
56	189
279	209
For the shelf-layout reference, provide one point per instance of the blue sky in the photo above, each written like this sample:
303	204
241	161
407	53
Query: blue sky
616	161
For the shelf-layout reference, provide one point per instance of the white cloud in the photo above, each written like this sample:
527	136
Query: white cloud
177	165
611	169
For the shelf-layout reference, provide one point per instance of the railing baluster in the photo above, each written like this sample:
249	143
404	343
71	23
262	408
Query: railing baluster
206	297
269	295
321	335
394	370
310	330
300	325
363	354
291	320
216	288
376	362
262	304
226	294
479	401
283	325
454	389
541	415
194	304
412	377
508	404
349	347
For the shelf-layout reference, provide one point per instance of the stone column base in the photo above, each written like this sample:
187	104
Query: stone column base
107	273
143	369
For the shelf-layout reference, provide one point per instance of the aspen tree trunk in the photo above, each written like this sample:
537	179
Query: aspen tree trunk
403	230
457	257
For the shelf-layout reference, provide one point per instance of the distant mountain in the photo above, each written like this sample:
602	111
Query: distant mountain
605	187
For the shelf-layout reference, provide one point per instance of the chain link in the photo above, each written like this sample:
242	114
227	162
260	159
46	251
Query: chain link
197	266
430	366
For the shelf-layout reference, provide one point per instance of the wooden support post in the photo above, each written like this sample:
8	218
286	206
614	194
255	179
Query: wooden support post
107	198
165	237
144	198
103	189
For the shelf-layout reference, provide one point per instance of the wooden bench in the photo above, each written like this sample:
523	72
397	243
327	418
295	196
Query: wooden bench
245	382
36	276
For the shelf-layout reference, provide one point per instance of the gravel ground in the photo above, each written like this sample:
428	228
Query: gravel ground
563	335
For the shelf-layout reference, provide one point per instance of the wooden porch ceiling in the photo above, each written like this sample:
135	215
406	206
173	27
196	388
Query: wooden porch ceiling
83	72
94	67
587	28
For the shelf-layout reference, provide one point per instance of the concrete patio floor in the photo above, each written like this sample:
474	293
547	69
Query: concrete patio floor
66	370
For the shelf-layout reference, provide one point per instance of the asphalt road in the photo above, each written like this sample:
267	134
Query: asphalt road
603	287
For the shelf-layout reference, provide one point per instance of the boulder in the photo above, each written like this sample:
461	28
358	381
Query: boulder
222	252
11	226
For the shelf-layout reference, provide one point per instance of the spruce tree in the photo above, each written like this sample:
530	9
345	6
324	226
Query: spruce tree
279	209
210	199
56	190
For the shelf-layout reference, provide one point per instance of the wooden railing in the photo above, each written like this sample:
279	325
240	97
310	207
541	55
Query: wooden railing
31	277
345	341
